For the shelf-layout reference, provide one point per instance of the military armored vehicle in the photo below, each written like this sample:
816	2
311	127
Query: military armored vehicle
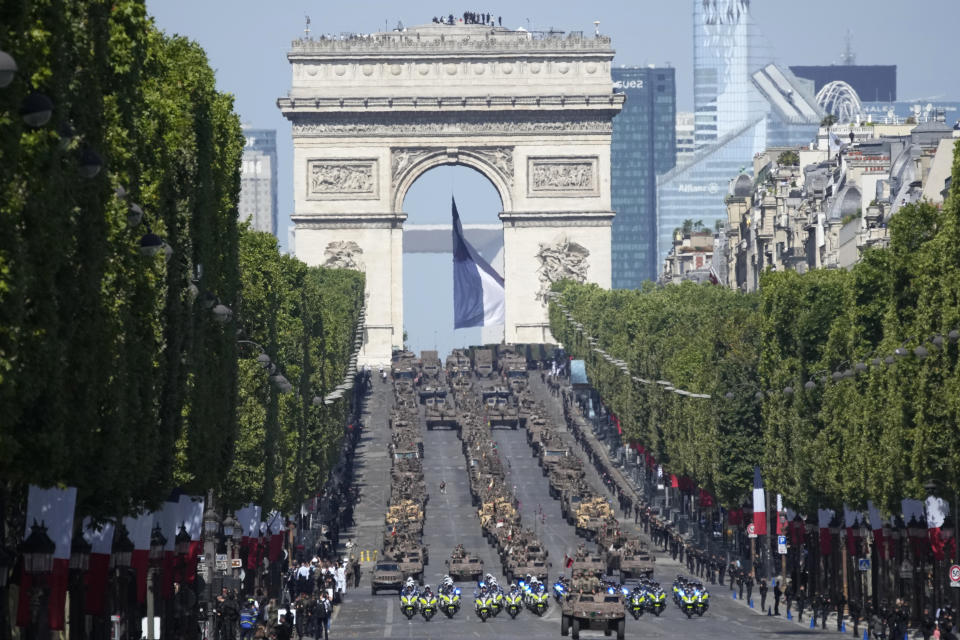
632	560
430	365
441	411
458	363
570	501
462	566
588	564
591	516
565	474
595	609
483	363
513	367
551	452
500	412
386	576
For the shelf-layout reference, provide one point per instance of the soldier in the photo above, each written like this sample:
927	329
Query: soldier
748	581
839	602
721	568
302	608
927	624
777	592
801	602
763	594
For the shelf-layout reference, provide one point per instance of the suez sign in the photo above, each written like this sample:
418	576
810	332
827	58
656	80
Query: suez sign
628	84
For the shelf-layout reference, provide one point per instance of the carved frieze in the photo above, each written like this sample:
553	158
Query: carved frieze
343	254
391	126
341	179
499	158
562	260
563	177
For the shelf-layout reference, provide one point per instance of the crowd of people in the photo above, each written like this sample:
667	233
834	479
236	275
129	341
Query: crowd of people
470	17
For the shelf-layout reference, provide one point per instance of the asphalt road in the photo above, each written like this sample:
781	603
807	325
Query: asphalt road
450	519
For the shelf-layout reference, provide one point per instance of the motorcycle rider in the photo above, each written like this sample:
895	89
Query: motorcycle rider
410	588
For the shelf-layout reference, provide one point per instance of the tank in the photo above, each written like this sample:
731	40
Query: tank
440	411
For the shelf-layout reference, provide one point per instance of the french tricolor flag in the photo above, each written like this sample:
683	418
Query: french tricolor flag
759	504
478	292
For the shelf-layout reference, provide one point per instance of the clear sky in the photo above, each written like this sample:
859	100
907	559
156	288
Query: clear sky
247	41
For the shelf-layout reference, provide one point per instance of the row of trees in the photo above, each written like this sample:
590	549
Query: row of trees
879	432
115	376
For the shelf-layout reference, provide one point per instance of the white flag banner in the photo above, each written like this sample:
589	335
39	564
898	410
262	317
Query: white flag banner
99	538
937	512
876	521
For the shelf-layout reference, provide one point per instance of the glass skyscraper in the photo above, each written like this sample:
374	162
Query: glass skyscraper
643	146
258	179
733	119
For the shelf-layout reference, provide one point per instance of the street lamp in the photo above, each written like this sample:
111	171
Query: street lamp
122	552
182	542
80	554
6	561
36	110
90	163
158	542
37	551
8	69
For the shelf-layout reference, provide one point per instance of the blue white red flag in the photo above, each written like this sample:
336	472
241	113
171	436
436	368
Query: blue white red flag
759	504
478	293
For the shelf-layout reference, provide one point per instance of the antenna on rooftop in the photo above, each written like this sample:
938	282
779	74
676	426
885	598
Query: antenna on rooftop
306	30
596	27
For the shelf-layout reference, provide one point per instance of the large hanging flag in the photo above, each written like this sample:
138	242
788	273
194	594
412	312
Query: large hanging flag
478	294
937	511
759	504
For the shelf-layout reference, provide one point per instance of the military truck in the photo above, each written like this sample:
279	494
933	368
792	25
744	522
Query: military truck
483	363
588	606
386	577
551	452
463	566
441	411
513	367
430	365
565	474
458	363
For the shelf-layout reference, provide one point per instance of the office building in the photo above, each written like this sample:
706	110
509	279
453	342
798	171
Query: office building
685	141
258	179
742	105
874	83
643	146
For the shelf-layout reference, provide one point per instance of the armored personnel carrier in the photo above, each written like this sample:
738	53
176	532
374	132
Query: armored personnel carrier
592	516
430	365
633	560
483	363
589	606
441	411
500	412
564	475
462	566
513	367
552	450
458	363
588	564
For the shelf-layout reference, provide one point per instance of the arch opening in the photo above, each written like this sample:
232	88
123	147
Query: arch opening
427	251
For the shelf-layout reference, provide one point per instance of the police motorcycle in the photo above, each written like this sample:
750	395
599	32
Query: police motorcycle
535	596
427	603
482	602
514	601
409	599
656	599
635	599
684	597
702	598
561	588
449	597
496	594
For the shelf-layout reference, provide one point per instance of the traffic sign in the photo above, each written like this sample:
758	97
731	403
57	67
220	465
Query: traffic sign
236	563
751	531
782	545
863	564
955	575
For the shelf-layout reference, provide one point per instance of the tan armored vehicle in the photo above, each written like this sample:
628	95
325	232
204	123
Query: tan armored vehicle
499	411
592	516
386	576
632	560
407	512
589	606
535	430
566	474
462	566
483	363
525	556
458	363
570	501
430	365
551	452
513	367
588	564
441	411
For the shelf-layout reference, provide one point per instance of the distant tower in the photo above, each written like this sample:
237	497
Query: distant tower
848	58
258	179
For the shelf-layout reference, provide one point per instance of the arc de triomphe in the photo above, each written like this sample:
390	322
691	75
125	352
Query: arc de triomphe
531	112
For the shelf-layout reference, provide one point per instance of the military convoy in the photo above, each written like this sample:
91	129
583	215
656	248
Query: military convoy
498	408
441	411
463	566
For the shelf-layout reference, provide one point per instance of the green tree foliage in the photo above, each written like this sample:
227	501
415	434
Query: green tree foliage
112	377
304	319
875	431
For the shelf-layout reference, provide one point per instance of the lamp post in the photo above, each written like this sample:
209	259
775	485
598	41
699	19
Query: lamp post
79	564
230	534
6	563
121	557
211	525
157	543
37	551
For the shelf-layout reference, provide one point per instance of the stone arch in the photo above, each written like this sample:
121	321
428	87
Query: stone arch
479	160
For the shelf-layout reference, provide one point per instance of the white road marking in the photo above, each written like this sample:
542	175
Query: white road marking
388	628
